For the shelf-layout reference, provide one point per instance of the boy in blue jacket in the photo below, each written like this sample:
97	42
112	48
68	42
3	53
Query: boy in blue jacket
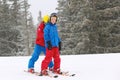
53	45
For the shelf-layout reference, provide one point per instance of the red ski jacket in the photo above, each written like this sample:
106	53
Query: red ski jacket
40	34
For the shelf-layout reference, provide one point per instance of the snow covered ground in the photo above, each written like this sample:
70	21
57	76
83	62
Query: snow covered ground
86	67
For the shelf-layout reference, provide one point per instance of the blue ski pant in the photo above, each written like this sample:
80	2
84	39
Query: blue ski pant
37	51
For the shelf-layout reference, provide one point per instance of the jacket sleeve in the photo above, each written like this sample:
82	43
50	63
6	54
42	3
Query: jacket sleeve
40	31
59	39
46	33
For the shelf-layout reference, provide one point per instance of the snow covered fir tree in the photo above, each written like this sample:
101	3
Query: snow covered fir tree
89	26
16	28
85	27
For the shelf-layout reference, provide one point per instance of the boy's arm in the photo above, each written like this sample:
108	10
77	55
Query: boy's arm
40	31
47	37
46	33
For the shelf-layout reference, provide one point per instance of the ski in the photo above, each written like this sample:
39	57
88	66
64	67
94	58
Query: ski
63	73
67	74
38	74
53	75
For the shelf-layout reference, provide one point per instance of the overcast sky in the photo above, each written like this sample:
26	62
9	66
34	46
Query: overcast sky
45	6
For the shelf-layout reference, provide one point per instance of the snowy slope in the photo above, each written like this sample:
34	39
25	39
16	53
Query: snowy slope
86	67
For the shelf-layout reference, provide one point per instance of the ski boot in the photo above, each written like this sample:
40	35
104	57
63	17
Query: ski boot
51	69
57	71
44	72
31	70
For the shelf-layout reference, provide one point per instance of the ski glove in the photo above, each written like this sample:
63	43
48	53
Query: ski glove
49	45
59	46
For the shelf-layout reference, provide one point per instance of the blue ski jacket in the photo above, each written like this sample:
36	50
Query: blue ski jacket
51	34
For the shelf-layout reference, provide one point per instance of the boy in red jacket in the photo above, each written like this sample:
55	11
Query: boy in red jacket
39	46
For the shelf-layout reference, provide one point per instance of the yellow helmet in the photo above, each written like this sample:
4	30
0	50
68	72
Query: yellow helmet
45	18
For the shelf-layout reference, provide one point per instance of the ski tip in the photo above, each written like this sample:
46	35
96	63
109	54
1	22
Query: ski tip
56	76
40	75
73	75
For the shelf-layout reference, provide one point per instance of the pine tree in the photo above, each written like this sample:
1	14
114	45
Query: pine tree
39	18
15	12
13	30
32	33
89	26
8	35
25	29
70	22
104	33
